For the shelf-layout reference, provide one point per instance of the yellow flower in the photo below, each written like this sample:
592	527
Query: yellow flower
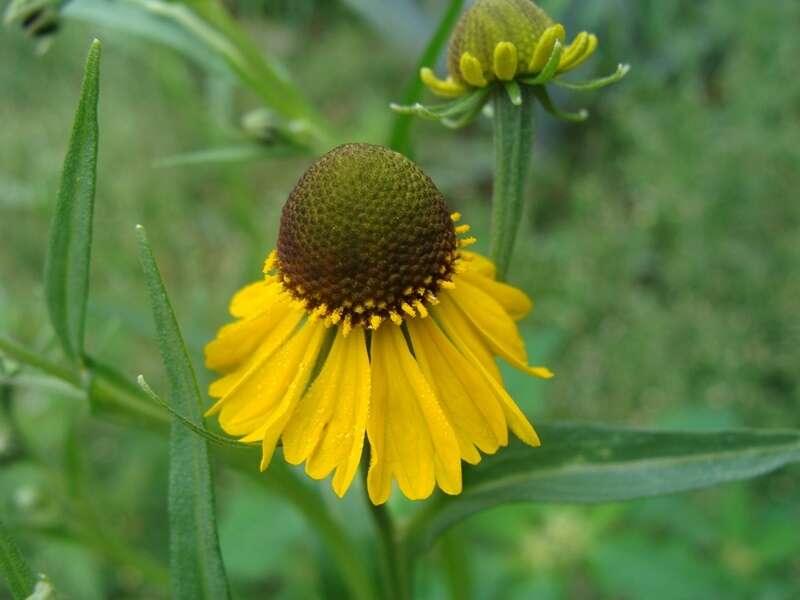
502	40
372	320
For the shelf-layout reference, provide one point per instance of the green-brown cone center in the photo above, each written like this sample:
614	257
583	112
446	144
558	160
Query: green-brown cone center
364	232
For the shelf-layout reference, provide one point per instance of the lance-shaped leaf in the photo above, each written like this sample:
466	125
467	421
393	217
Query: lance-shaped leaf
591	464
196	564
66	278
13	568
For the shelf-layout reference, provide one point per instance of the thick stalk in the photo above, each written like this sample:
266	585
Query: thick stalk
513	143
395	571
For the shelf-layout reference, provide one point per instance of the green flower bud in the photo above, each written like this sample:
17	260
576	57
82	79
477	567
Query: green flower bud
501	40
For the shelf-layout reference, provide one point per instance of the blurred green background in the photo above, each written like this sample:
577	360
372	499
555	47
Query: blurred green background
660	243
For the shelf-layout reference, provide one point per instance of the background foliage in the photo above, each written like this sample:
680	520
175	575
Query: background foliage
660	243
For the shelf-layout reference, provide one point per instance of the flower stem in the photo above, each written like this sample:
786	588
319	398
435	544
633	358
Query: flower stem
395	569
513	144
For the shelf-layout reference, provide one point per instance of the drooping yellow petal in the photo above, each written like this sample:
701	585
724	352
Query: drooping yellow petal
544	48
327	429
236	341
496	326
456	324
479	264
579	50
447	88
472	70
588	50
410	437
253	298
453	323
505	61
270	341
271	431
465	396
250	404
513	300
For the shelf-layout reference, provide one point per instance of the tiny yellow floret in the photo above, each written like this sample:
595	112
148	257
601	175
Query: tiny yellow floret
505	61
472	71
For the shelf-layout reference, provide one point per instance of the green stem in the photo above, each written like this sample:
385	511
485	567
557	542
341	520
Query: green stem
114	396
456	564
513	145
395	564
400	138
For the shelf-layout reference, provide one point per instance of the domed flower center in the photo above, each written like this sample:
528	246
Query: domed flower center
365	236
491	22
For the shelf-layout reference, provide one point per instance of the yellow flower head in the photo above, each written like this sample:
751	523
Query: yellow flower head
372	320
501	40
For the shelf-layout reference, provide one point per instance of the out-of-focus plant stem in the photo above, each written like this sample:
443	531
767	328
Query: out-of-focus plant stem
400	138
398	584
210	22
109	395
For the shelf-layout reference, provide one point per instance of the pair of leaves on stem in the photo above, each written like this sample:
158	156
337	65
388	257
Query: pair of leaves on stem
463	110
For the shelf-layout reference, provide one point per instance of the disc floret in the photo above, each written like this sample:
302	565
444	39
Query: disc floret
366	237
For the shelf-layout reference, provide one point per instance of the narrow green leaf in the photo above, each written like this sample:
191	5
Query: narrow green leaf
201	431
444	110
229	154
196	564
13	568
544	97
595	84
589	464
66	277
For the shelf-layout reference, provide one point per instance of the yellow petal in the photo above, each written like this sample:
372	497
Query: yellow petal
410	437
497	328
505	61
447	88
472	70
516	419
574	51
253	298
271	431
332	416
544	48
456	324
268	343
588	50
250	404
236	341
480	264
465	396
513	300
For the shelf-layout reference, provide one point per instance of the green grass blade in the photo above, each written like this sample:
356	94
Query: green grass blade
66	277
196	564
13	568
588	464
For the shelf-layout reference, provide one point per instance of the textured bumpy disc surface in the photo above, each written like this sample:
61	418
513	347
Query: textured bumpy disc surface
489	22
363	231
